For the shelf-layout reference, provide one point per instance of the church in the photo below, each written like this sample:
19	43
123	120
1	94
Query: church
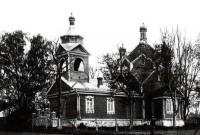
90	102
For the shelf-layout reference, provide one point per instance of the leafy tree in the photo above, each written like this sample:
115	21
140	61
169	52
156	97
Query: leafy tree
22	73
56	71
118	77
167	75
38	66
11	61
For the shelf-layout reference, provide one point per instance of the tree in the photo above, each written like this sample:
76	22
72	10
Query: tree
11	61
187	67
38	66
167	75
57	72
180	72
22	73
118	77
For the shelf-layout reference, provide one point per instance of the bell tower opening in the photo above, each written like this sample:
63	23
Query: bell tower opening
78	65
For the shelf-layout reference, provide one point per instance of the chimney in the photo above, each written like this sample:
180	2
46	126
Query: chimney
99	81
99	78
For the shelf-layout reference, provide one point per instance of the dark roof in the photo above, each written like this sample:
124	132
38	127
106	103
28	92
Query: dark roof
145	49
164	91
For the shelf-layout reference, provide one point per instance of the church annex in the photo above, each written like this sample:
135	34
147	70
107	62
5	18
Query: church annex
90	102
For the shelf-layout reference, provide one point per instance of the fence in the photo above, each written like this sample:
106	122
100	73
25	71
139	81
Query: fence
43	118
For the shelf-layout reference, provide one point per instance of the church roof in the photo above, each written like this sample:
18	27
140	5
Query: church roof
92	85
164	91
78	86
145	49
70	46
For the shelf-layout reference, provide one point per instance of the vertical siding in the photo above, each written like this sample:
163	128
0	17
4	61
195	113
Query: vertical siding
54	105
100	108
121	108
71	107
158	108
138	109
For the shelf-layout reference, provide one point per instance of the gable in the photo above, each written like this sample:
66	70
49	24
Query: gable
142	49
54	89
142	62
141	74
141	68
71	47
79	49
164	92
60	50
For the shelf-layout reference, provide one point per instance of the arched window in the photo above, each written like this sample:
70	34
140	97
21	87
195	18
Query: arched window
78	65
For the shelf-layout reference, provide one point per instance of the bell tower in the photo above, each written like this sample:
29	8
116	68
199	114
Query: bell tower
73	55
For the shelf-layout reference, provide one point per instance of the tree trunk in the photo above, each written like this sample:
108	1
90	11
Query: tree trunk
131	113
185	113
174	114
174	109
58	81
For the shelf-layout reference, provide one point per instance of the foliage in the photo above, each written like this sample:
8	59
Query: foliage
180	67
22	73
119	79
117	74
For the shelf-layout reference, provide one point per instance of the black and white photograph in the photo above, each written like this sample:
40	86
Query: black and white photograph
99	67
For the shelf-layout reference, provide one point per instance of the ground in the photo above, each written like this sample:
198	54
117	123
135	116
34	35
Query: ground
25	133
159	132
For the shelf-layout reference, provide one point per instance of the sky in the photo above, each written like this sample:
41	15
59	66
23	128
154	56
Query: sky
104	24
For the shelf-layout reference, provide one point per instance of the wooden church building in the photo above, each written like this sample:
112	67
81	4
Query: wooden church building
90	102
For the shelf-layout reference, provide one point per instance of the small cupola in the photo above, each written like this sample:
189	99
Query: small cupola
143	30
71	20
122	51
71	30
72	36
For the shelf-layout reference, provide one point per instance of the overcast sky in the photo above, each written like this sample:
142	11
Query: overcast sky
104	24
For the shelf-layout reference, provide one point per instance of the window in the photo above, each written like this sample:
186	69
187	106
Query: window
89	102
110	106
78	65
169	106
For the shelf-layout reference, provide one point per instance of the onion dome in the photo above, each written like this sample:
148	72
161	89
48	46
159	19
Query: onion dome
71	30
143	27
71	19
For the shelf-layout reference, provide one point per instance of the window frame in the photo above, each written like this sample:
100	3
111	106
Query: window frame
110	105
89	104
169	106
